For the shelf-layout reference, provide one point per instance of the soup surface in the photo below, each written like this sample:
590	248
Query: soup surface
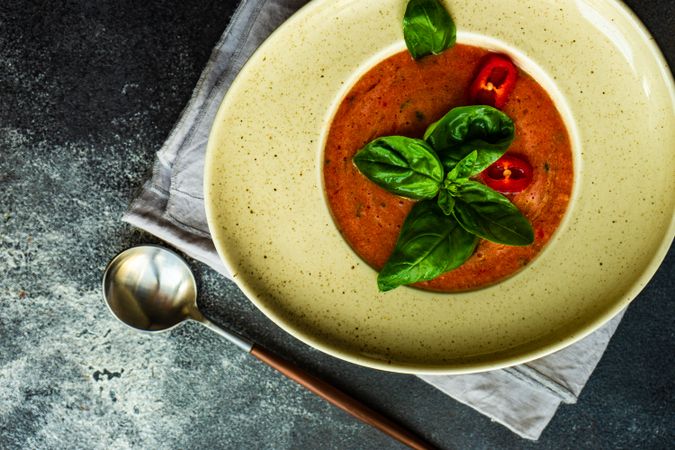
401	96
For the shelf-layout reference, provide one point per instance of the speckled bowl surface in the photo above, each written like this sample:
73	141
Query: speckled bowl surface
273	229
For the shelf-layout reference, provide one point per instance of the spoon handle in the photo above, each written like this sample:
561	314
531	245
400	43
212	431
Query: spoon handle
340	399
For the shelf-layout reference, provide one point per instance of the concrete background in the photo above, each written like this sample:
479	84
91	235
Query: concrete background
89	91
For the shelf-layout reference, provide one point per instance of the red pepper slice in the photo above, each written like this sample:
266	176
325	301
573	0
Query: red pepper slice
508	175
495	81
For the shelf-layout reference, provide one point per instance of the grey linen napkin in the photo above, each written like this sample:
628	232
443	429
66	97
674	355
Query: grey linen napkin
170	205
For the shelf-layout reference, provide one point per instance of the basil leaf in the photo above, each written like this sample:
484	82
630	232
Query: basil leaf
490	215
445	201
430	244
402	165
463	170
427	28
462	130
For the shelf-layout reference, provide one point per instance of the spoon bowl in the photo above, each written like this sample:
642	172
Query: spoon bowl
150	288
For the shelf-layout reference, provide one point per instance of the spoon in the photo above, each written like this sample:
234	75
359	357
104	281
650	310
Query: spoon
152	289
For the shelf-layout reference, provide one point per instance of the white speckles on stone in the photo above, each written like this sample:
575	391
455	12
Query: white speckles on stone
65	341
128	86
13	256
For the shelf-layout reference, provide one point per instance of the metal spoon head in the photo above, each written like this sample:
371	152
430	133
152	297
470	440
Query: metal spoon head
150	288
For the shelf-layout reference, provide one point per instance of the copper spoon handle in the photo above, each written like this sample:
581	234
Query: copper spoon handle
340	399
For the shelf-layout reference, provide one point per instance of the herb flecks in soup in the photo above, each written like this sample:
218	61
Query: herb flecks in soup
403	97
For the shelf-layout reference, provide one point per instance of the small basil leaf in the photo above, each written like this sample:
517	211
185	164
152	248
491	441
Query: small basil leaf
463	169
427	28
430	244
446	201
490	215
462	130
405	166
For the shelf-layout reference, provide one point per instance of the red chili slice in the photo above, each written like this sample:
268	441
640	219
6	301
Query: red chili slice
508	175
495	81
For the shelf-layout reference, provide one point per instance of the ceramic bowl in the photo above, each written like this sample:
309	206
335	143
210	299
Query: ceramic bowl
272	227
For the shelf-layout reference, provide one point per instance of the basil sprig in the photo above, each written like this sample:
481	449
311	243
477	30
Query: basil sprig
441	232
430	244
446	201
482	128
490	215
405	166
427	28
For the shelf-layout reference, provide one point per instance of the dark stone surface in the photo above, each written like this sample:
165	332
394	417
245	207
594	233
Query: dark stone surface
89	92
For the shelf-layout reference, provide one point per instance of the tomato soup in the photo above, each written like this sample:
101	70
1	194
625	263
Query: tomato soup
401	96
